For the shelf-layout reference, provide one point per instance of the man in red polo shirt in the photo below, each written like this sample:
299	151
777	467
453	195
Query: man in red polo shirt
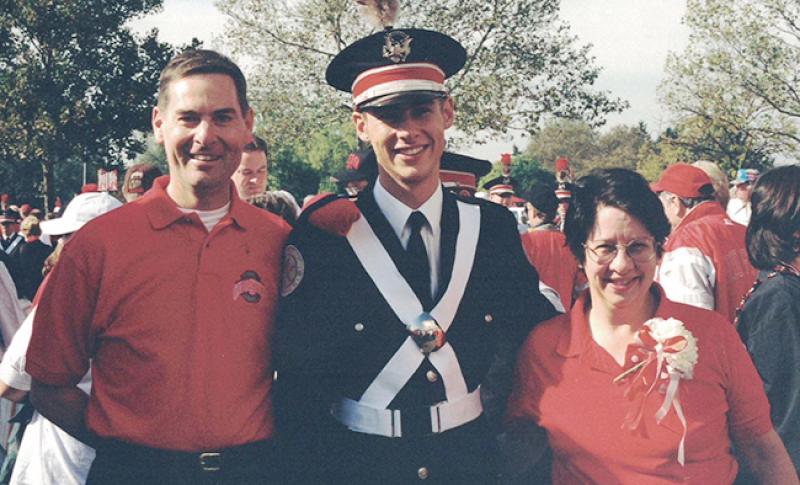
171	298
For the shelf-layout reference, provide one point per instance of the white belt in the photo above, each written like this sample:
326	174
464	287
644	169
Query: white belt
389	422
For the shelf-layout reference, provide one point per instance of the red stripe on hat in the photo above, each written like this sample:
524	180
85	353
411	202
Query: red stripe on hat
501	189
401	72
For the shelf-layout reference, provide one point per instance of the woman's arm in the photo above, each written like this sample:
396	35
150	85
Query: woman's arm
524	453
767	459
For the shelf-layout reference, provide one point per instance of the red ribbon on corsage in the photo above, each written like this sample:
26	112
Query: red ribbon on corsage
659	350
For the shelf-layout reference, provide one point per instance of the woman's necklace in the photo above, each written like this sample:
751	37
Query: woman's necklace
784	269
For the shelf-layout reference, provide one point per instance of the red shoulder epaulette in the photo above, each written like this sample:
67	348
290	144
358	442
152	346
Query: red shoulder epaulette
331	213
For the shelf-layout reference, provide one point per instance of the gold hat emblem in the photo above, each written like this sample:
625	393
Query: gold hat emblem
397	47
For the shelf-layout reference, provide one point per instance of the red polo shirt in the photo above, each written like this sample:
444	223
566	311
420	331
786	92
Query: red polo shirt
176	322
564	384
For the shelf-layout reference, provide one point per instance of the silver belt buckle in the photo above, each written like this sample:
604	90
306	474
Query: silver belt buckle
211	461
427	333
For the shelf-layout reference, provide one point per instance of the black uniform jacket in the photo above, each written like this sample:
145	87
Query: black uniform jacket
336	332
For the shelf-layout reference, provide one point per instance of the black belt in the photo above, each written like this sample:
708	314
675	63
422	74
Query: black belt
211	461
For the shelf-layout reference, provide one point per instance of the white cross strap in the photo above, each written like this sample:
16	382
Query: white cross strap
404	303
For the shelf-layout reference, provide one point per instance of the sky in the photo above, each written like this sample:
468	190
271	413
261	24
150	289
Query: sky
630	42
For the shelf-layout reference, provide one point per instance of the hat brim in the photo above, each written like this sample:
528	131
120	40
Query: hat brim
463	163
59	227
348	176
401	98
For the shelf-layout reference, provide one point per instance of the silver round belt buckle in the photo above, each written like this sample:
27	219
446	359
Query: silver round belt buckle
427	333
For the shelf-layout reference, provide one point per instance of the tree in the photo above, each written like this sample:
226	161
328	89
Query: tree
727	145
522	63
153	154
655	157
289	172
574	140
313	159
76	86
587	148
735	87
620	147
528	173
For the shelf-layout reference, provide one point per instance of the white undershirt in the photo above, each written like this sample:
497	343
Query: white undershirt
397	213
209	218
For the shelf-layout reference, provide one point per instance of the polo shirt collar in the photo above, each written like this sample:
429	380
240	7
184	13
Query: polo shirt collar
162	211
578	339
397	213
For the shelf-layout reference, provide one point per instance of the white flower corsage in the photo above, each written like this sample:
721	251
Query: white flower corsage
673	349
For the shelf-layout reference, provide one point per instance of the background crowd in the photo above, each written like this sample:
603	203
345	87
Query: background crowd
435	320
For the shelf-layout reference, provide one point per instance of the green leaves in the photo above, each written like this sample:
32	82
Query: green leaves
77	86
523	62
523	65
734	89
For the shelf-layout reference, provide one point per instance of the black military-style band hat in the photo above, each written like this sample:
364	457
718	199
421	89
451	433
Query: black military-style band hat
543	198
396	66
500	185
361	165
462	171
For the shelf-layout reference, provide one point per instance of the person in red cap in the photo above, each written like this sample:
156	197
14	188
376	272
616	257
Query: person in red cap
705	260
396	339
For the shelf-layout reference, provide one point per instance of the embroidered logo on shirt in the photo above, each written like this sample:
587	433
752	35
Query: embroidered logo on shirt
249	287
293	270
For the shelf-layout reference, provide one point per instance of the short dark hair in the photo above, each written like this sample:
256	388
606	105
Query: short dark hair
278	202
772	235
202	61
257	145
612	187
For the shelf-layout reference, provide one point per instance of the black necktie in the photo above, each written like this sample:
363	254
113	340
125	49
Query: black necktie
420	269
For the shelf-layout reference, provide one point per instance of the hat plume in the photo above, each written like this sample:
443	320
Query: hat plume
379	13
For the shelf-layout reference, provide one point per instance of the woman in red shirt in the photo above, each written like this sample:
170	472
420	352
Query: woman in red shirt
629	386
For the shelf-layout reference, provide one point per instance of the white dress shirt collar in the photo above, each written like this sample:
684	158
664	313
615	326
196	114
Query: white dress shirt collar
397	213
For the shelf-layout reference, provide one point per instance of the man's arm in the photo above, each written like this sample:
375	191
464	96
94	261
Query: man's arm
768	460
688	276
65	406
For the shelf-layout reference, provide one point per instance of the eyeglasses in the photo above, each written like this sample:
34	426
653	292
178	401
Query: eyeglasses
639	250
